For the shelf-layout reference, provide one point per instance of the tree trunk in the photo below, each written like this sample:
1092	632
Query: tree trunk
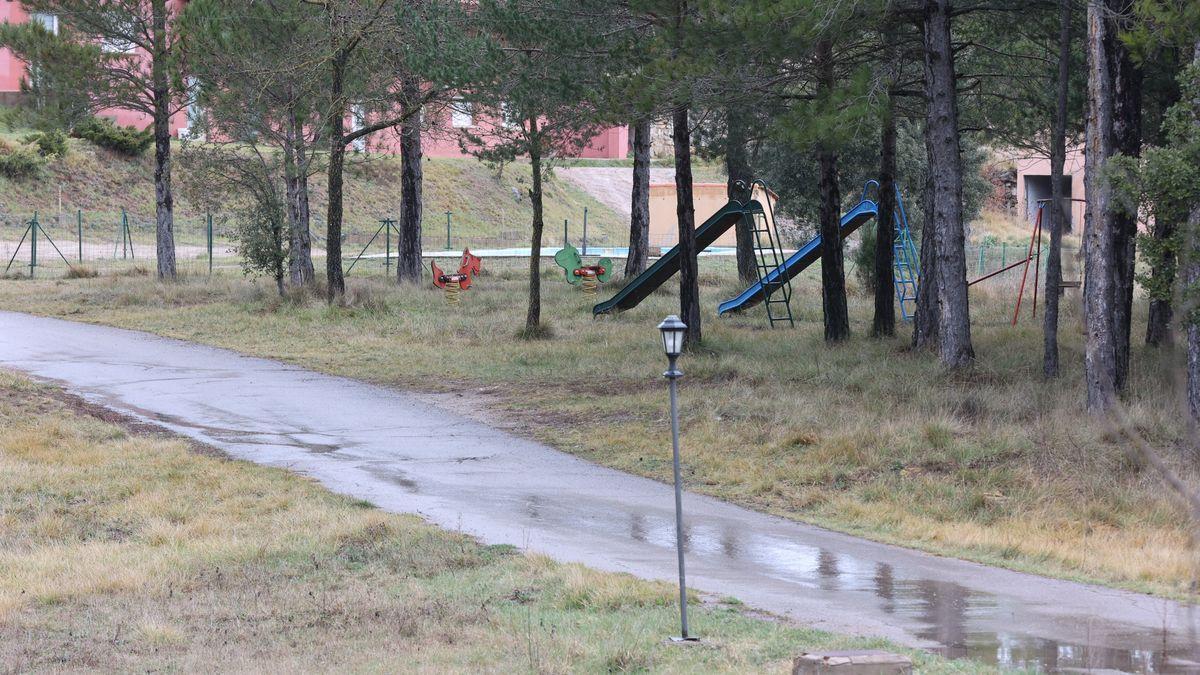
737	167
884	322
164	201
300	267
337	160
954	329
1158	322
1099	354
533	317
1058	156
639	219
1191	277
833	272
409	267
1127	137
925	319
685	211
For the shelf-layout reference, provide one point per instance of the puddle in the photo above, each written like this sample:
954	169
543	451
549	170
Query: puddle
958	621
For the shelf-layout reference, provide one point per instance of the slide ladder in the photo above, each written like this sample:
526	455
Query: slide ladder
768	256
907	264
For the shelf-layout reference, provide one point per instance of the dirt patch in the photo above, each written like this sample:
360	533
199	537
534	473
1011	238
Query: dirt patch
57	397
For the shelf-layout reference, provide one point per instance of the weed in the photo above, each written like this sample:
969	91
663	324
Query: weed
81	272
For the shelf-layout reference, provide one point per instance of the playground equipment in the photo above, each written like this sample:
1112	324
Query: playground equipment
1034	238
588	277
904	260
453	284
668	264
775	273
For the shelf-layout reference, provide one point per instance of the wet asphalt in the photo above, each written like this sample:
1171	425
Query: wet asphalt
407	455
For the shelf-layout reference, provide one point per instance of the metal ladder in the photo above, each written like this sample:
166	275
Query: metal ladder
905	261
768	258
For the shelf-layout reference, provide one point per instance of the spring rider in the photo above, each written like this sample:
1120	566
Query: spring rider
587	277
453	284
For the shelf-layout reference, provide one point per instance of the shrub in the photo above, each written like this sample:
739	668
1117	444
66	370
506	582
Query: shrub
106	134
49	143
81	272
20	161
864	258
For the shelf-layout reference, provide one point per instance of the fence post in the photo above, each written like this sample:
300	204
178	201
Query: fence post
79	231
387	261
448	230
564	232
33	229
1003	254
210	242
585	230
982	248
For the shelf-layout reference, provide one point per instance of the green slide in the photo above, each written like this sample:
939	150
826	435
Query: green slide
666	266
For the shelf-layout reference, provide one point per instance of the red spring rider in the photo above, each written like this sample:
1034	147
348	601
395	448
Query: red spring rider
453	284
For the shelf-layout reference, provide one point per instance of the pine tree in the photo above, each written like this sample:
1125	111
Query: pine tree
531	84
134	69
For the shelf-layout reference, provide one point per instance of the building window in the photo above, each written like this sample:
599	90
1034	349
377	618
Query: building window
460	114
47	21
358	120
116	45
508	117
195	114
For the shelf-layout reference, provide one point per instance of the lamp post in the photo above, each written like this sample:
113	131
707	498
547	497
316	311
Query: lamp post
673	330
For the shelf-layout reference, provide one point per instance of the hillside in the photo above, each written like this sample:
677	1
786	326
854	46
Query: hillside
487	208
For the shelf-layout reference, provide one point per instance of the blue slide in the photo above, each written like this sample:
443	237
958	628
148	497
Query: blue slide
807	255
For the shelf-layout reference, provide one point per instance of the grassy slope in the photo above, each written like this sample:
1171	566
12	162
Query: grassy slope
486	206
993	464
122	550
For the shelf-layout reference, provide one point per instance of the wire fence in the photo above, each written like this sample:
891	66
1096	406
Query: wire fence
105	242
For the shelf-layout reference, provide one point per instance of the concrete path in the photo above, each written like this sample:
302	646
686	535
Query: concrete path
406	455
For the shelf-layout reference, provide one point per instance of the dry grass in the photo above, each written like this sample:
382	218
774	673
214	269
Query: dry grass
122	551
869	437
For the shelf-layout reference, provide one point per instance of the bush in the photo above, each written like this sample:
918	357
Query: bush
49	143
106	134
20	161
81	272
864	258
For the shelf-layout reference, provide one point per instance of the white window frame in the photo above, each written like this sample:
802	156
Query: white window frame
47	20
506	117
193	112
358	119
461	115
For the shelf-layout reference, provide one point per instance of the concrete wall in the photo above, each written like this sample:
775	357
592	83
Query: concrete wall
707	198
1033	183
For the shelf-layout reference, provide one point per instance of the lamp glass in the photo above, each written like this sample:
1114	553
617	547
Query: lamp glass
672	335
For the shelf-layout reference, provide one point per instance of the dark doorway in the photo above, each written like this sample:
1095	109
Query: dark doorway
1038	188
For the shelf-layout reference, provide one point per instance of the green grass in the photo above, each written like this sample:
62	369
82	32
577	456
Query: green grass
122	550
869	437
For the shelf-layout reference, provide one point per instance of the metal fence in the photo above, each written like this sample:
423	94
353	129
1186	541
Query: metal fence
52	245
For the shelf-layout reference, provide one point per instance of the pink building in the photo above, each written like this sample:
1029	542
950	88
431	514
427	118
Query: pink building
611	143
1033	183
12	70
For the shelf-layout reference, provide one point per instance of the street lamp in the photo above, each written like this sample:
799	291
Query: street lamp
673	330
